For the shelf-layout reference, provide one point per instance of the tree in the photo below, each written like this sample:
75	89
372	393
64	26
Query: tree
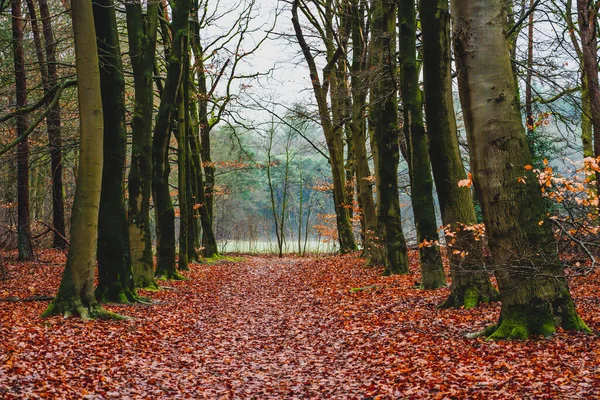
76	291
470	281
333	131
587	17
421	181
115	276
141	31
53	127
383	120
23	227
534	292
360	87
167	112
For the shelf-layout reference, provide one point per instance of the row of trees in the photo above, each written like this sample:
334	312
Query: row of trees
364	59
192	82
364	82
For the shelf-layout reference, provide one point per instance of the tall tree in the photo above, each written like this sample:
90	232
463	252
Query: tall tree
336	44
587	132
53	127
360	88
76	291
24	244
141	31
167	112
533	289
470	281
587	17
383	120
421	181
115	276
199	138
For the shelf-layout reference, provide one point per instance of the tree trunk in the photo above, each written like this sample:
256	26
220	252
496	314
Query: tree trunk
333	132
53	126
587	18
76	290
533	289
470	282
372	246
384	122
23	228
421	181
200	142
142	49
115	275
182	188
167	112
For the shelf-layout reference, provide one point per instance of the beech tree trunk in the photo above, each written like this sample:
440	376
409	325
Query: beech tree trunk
115	275
76	291
421	181
24	244
53	127
384	122
167	112
142	49
333	132
587	17
470	281
200	141
359	85
534	292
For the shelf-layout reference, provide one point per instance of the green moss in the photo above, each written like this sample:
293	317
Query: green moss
471	298
220	258
170	276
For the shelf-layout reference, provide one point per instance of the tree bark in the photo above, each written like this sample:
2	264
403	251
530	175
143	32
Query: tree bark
200	141
470	282
333	134
142	50
24	244
533	289
384	122
76	291
359	86
167	112
421	181
588	29
53	127
115	275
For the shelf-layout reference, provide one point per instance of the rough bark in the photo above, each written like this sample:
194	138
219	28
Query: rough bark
384	123
533	289
53	126
76	291
142	49
470	282
115	275
421	181
167	112
24	244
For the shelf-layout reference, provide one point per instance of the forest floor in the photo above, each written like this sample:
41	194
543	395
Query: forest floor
283	328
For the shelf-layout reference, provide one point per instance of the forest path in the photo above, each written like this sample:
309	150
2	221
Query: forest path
269	328
286	341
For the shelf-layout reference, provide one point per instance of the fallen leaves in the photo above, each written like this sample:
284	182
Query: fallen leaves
291	328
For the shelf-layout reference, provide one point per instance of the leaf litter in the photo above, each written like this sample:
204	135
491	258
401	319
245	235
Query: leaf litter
289	328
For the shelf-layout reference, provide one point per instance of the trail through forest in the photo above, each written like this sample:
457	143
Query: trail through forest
264	327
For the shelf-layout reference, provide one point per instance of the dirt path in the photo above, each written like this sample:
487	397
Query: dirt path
265	328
